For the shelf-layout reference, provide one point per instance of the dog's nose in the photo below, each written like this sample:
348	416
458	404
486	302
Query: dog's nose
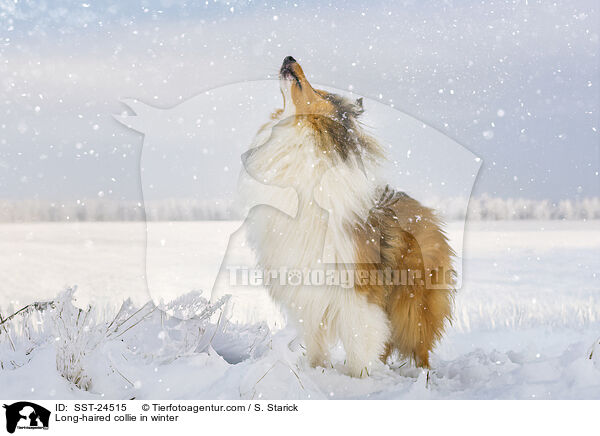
288	60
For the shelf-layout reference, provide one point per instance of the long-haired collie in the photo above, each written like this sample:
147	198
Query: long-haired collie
390	243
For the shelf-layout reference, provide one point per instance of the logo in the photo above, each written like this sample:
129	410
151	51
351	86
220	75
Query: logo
26	415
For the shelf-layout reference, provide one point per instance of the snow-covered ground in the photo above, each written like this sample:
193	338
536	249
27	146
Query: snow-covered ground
527	321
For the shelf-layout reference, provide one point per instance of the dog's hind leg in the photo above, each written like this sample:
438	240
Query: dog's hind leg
364	330
418	316
317	339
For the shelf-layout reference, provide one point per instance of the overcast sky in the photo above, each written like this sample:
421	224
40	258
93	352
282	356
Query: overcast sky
515	82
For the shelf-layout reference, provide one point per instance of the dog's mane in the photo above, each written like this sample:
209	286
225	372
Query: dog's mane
339	134
341	131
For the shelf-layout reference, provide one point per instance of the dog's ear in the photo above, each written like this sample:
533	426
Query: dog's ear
359	105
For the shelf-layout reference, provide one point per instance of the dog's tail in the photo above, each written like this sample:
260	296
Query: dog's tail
420	303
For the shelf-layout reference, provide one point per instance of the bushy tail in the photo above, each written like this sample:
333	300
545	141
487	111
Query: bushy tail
420	302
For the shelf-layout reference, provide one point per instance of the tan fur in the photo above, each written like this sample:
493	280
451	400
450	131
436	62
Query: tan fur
411	240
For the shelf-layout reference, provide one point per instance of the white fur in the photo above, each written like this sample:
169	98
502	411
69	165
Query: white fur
285	155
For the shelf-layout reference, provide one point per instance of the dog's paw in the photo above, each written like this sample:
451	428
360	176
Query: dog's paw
320	362
358	371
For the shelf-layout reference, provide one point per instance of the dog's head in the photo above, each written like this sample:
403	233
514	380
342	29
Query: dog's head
300	98
332	117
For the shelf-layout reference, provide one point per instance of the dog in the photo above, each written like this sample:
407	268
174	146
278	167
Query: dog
316	144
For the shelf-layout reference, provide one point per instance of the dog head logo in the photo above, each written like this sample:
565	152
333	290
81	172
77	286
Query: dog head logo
26	415
197	150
